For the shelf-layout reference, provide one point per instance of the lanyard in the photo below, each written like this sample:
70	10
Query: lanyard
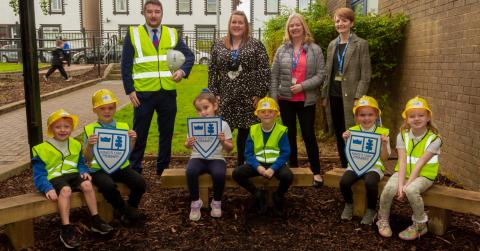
295	59
234	54
341	58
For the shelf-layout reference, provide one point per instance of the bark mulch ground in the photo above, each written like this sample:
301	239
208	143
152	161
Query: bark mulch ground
312	222
12	89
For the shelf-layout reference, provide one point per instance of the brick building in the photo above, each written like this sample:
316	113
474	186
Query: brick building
440	61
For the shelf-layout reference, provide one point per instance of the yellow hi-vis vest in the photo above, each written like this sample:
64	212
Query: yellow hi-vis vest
55	163
90	128
150	69
267	152
415	151
378	130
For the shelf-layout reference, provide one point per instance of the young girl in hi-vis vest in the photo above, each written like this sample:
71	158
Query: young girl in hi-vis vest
366	113
418	146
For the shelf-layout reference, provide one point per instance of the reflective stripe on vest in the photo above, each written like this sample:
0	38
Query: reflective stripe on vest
267	152
378	130
90	128
415	151
55	164
150	68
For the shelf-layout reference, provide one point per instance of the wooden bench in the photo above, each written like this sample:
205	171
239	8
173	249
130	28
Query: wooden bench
17	213
175	178
440	200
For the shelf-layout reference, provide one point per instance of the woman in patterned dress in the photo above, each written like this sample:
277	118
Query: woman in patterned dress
238	75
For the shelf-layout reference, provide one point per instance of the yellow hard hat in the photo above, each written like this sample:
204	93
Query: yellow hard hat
58	114
267	103
103	97
366	101
415	103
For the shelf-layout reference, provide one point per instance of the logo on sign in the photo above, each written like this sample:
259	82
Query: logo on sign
112	149
205	130
363	150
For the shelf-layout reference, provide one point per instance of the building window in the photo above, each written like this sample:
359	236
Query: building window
303	5
178	27
56	7
184	7
359	7
120	7
204	36
51	32
272	7
211	7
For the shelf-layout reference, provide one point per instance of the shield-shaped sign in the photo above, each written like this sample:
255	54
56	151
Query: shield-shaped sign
112	148
363	150
205	130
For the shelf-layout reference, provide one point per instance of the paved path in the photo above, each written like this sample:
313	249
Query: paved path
13	132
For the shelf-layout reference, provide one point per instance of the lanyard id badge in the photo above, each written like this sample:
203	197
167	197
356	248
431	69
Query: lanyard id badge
341	59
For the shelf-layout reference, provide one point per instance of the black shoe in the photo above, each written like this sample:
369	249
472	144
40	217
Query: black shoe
130	212
100	226
68	238
261	202
278	204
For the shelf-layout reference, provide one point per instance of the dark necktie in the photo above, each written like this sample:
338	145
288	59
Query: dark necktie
155	38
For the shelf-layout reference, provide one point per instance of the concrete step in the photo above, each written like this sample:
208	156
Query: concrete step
114	77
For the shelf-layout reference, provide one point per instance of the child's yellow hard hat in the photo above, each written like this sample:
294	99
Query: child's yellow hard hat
415	103
103	97
267	103
366	101
58	114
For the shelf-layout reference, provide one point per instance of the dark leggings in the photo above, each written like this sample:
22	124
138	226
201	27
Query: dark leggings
338	118
306	118
371	184
216	168
241	139
55	67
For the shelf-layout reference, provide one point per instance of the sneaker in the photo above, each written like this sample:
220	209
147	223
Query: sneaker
384	227
68	79
195	207
368	217
45	78
216	206
414	231
261	202
347	213
278	204
100	226
130	212
68	238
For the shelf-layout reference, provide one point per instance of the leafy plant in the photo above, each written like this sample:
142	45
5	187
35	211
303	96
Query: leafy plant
43	6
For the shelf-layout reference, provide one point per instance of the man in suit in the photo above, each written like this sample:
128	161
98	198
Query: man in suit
150	84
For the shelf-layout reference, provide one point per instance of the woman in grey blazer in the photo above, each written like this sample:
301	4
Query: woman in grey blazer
297	74
347	79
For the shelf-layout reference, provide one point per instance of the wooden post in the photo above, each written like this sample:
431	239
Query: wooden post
105	210
359	199
204	196
438	220
20	234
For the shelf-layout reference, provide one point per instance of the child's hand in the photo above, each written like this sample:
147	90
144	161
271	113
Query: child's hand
384	139
269	173
93	139
221	137
400	194
346	135
132	134
86	176
51	195
190	142
261	170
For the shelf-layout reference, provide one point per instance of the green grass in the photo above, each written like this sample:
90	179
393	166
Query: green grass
187	90
12	67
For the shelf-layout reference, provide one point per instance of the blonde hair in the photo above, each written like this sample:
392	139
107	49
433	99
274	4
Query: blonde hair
430	125
307	35
246	35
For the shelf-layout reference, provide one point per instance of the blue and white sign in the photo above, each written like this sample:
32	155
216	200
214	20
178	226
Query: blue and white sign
112	148
205	130
363	150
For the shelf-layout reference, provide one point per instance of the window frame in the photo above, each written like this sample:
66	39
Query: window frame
117	12
310	2
354	3
59	11
214	12
180	12
266	10
207	26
